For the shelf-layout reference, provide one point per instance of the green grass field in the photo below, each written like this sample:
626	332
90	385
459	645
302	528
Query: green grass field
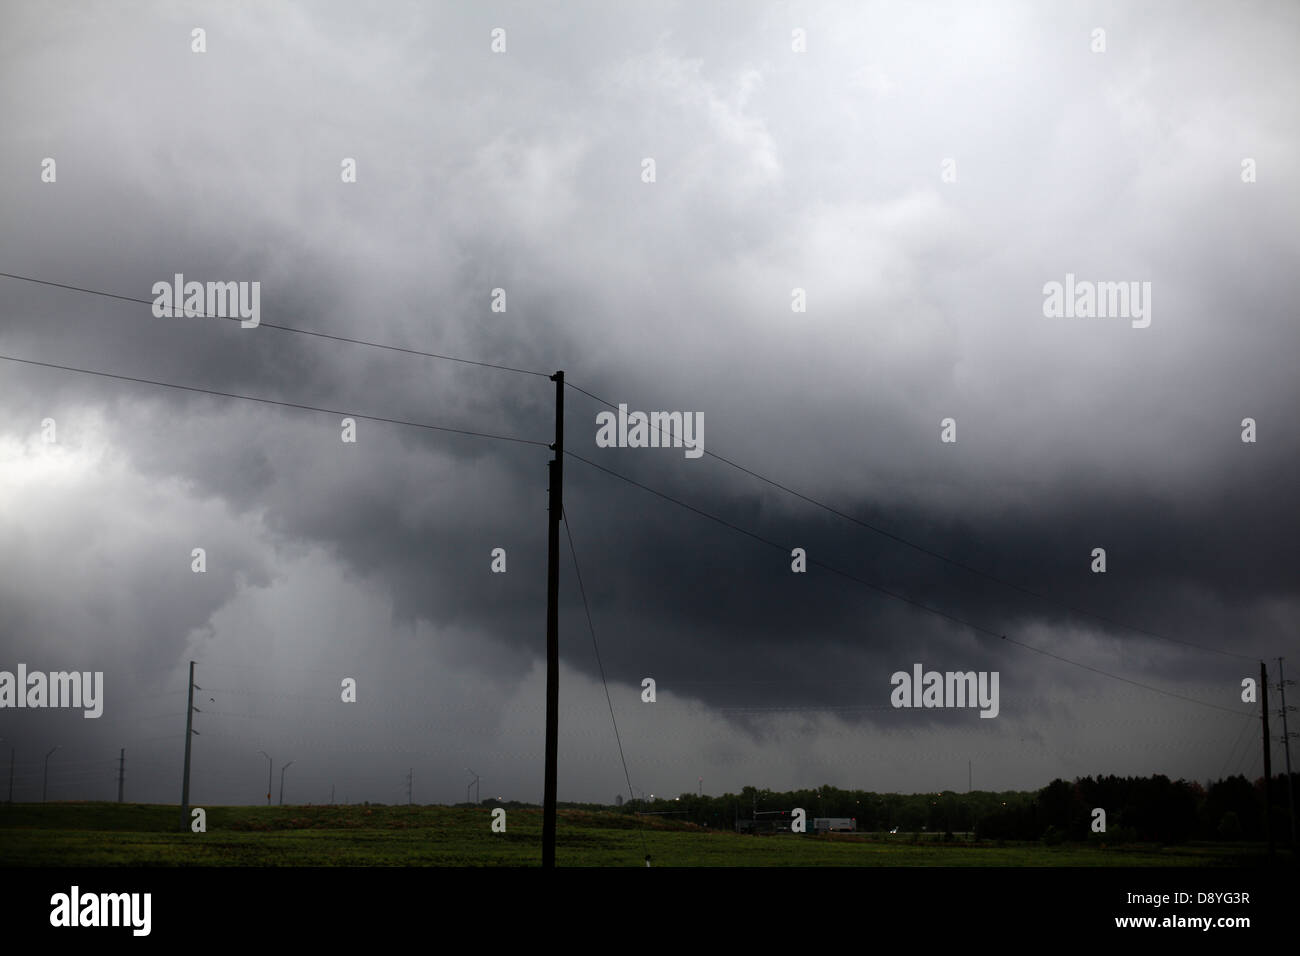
109	834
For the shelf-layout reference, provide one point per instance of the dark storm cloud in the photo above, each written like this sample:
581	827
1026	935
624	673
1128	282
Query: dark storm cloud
775	170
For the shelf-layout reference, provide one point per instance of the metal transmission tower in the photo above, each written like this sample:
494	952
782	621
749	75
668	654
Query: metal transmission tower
1268	757
1286	745
270	765
11	772
46	779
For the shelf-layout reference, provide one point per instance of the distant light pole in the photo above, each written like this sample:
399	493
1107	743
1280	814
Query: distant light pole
269	764
282	770
45	781
11	771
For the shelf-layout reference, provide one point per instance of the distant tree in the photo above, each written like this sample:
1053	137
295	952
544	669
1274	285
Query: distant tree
1059	806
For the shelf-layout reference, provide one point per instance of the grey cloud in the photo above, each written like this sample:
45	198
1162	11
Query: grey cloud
775	170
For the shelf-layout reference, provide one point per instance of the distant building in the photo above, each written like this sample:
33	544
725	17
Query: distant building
835	824
618	799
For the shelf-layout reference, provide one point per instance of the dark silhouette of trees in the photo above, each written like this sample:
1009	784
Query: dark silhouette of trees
1149	809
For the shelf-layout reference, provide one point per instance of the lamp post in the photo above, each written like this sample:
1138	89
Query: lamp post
269	764
282	770
46	779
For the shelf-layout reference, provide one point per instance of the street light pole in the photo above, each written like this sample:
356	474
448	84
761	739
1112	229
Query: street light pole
282	770
269	764
46	779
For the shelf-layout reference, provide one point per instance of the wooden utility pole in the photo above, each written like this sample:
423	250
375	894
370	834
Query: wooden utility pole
189	732
555	471
1268	759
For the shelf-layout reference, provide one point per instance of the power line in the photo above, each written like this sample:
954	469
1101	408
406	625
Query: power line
770	481
272	401
194	313
721	458
901	597
590	626
935	554
1250	719
776	484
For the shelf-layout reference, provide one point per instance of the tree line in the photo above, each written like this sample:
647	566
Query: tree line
1143	809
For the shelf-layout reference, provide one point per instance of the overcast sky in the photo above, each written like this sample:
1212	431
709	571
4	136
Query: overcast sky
921	171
